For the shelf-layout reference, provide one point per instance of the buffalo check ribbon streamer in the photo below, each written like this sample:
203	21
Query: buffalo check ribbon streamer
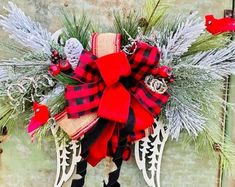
113	86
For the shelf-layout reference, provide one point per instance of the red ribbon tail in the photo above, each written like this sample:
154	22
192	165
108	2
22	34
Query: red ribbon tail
99	149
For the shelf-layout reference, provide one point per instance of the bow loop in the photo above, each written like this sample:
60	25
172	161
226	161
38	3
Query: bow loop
83	99
112	67
143	60
86	70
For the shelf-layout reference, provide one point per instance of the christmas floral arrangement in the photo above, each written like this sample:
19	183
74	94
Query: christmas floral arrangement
148	77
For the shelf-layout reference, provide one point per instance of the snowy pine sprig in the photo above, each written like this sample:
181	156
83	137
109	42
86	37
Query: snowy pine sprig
182	116
174	42
3	74
25	31
217	63
198	80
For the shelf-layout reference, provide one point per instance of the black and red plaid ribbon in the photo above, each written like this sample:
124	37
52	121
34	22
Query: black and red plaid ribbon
113	86
87	96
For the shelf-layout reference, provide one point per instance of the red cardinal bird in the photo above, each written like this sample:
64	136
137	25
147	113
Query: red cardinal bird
217	26
41	116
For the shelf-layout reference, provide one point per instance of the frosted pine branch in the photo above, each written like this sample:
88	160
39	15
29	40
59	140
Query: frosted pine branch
3	74
217	64
194	93
17	63
186	117
177	42
25	31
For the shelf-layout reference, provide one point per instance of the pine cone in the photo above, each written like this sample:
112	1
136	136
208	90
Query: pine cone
217	147
143	22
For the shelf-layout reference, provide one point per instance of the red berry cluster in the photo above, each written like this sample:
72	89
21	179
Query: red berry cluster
59	63
164	72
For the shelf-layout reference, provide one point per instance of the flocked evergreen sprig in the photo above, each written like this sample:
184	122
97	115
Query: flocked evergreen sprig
175	40
25	31
194	80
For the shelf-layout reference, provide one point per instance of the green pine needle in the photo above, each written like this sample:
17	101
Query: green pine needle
66	79
126	25
78	27
9	117
153	13
211	144
207	42
32	56
11	49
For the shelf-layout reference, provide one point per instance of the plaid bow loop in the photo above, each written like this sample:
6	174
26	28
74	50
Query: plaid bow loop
86	70
144	60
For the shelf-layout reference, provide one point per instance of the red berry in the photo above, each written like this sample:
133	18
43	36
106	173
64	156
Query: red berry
155	71
65	65
163	72
171	80
54	70
55	53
